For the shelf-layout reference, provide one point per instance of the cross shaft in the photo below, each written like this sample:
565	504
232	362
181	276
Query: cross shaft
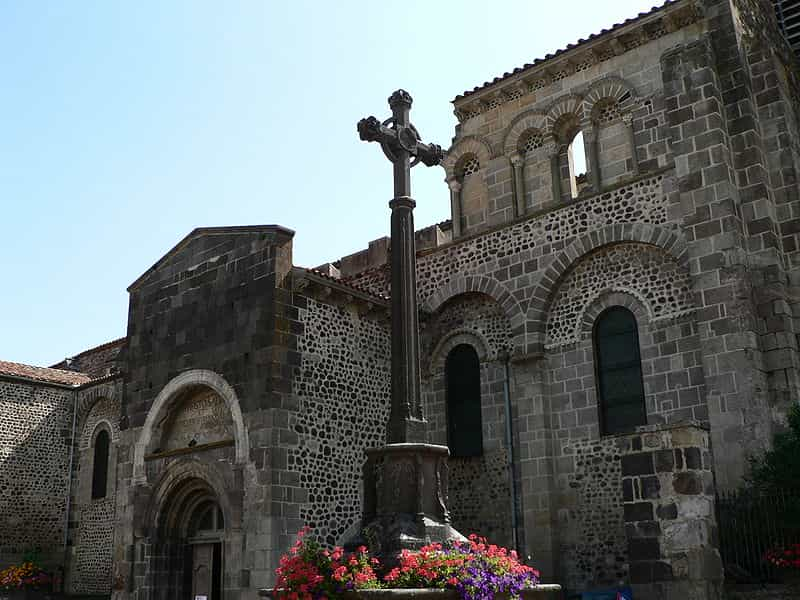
402	146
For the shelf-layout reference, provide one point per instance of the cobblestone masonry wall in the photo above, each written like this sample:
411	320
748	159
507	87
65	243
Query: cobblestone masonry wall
516	254
94	538
343	405
34	457
593	543
645	272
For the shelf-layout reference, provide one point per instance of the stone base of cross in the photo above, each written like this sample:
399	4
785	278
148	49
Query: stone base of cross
405	495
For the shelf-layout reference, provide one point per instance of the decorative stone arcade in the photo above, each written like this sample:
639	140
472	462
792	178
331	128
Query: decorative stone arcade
405	482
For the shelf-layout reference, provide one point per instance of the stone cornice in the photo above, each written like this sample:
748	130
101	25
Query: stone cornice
575	58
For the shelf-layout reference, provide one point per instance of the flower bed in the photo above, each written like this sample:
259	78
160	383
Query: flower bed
26	576
472	570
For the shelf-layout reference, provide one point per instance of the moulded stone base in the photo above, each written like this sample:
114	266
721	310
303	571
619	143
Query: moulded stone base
539	592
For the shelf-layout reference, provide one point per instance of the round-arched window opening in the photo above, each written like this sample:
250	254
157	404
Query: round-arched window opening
206	521
576	155
463	386
618	367
102	444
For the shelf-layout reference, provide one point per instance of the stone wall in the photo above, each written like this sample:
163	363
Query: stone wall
342	392
668	495
34	464
213	315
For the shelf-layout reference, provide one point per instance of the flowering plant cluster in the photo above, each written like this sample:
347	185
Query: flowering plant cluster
785	558
475	569
27	575
311	572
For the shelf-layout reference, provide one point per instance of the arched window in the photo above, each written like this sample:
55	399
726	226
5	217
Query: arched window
464	427
576	156
100	465
619	371
468	165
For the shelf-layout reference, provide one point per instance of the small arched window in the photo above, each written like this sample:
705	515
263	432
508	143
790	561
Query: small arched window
576	156
100	465
464	426
619	371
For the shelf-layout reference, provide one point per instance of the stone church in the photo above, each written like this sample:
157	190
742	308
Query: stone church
601	350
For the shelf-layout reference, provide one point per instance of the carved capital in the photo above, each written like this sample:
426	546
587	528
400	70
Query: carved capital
589	130
627	118
399	98
516	160
454	184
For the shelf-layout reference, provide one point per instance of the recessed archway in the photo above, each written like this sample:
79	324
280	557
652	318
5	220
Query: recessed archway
157	417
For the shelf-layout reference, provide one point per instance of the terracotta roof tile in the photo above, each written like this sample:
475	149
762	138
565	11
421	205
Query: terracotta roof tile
568	47
43	374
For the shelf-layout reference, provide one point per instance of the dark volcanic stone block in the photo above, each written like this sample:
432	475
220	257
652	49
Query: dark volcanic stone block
638	464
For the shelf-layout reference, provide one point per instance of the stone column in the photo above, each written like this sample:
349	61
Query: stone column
589	130
628	120
668	503
553	149
455	204
517	171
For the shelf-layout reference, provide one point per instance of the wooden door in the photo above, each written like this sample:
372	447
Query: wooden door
202	571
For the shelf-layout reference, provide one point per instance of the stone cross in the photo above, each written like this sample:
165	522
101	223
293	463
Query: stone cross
401	144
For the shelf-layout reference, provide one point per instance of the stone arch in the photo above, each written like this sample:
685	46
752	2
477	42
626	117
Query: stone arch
626	298
87	441
89	397
550	281
469	144
182	476
163	402
528	120
567	106
464	284
453	339
609	88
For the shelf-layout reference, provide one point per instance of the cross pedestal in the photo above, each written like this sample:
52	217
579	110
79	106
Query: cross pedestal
405	481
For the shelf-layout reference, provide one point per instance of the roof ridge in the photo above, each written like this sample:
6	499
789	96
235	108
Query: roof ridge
102	346
36	373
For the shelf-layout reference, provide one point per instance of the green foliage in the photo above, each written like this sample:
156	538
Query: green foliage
777	472
34	555
778	469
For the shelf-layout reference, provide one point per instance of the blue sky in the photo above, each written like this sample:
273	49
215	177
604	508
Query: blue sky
127	124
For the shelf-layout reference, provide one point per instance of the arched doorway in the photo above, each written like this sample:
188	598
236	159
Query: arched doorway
191	536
